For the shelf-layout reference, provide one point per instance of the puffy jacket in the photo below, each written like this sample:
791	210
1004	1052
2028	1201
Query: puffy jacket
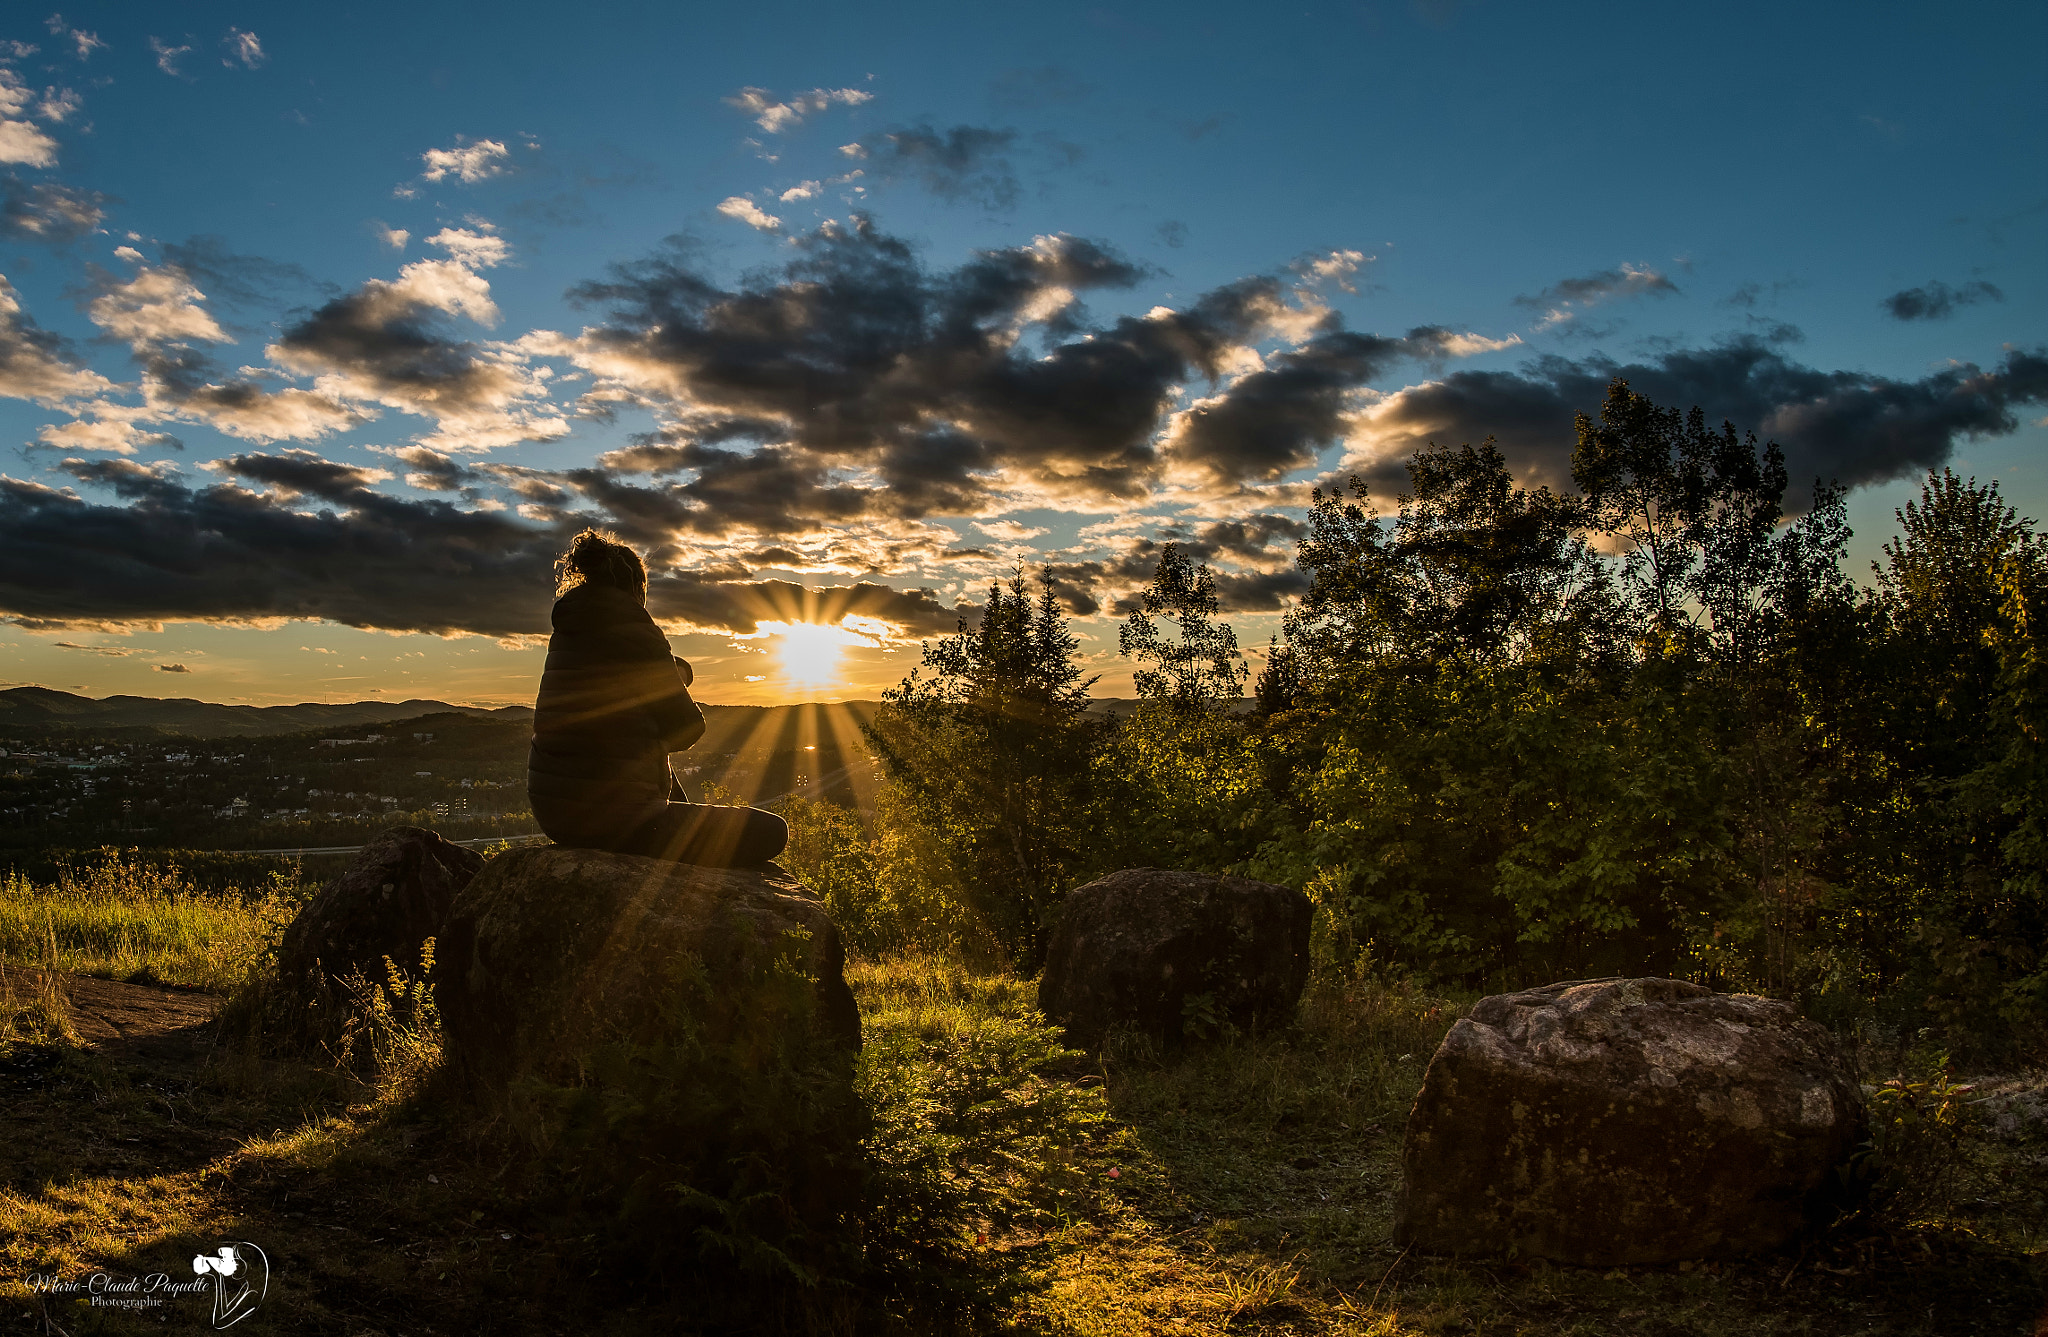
613	704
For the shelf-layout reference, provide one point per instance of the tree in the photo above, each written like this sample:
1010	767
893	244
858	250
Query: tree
1199	665
992	752
1696	510
1280	684
1473	571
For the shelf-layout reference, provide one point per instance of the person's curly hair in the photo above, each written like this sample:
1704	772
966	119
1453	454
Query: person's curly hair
597	557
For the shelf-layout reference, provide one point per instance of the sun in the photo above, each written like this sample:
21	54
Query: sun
809	653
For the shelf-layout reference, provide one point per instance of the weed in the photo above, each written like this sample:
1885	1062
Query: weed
391	1037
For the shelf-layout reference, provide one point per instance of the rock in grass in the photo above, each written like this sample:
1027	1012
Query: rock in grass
673	1044
1175	956
552	954
1625	1121
387	903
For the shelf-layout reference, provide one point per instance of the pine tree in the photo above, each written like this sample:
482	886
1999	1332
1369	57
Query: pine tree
992	750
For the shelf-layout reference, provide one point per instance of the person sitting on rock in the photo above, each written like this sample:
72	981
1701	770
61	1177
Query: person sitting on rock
614	702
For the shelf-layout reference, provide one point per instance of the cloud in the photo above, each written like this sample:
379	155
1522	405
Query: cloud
746	211
852	386
32	361
740	605
1263	543
168	56
59	105
1275	420
48	211
227	552
394	237
1337	266
887	390
158	313
110	651
243	48
298	473
1174	233
238	280
1937	301
1009	531
801	191
776	116
1851	427
477	249
20	141
362	559
966	162
172	668
384	343
83	43
1565	298
159	305
467	163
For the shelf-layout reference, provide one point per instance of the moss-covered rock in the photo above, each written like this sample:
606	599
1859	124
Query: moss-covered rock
674	1044
552	953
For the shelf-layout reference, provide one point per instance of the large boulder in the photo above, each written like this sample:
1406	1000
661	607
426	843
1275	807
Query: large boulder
553	953
387	903
1175	956
1625	1121
672	1044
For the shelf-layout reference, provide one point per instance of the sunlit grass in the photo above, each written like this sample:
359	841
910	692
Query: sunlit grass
126	920
1012	1184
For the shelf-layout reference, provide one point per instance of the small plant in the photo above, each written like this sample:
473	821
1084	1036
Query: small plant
1261	1291
391	1038
1915	1161
33	1008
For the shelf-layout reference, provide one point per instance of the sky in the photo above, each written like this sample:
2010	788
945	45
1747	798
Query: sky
323	328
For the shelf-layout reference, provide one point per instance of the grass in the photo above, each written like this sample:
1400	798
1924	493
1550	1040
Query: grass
1014	1185
134	921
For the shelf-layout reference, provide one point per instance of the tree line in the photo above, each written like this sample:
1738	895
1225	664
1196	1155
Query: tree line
1648	727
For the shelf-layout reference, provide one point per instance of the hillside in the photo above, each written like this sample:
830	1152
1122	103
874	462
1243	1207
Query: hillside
40	708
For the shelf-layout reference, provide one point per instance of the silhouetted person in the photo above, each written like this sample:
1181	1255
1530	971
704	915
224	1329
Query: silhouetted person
613	704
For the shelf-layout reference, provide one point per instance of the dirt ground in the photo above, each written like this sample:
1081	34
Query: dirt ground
145	1024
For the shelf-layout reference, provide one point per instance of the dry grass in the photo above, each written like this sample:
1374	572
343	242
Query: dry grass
134	921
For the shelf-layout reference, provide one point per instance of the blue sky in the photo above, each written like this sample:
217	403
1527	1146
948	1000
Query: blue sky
295	398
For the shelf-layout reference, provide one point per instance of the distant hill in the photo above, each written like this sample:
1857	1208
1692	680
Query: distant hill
40	709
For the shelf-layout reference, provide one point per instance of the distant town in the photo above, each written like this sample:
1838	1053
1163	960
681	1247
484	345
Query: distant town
84	785
463	776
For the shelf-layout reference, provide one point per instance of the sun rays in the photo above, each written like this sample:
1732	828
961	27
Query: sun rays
810	655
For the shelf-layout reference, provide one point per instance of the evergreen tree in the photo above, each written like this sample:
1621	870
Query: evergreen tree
992	750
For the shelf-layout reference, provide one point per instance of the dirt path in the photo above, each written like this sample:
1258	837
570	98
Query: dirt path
139	1022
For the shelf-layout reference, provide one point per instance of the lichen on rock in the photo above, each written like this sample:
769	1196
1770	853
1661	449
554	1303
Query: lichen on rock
1626	1121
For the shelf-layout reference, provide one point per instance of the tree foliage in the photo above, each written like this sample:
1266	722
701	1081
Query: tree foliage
1511	736
1197	661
